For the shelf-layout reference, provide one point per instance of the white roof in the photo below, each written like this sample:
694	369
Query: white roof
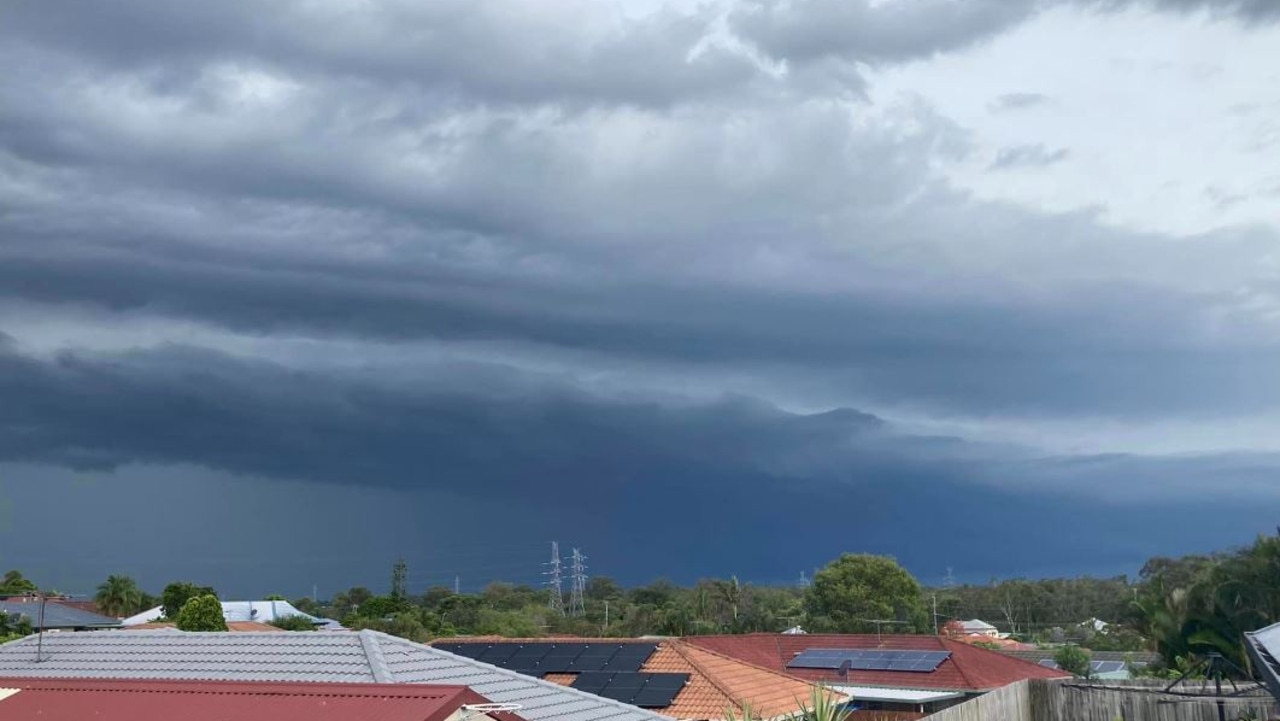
902	695
261	611
976	624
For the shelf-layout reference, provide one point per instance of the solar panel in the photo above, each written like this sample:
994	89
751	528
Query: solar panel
675	681
588	663
1048	663
592	681
870	659
654	697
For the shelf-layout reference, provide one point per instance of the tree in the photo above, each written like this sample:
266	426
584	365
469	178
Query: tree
399	581
275	597
202	613
13	627
856	589
176	594
1073	659
120	596
13	584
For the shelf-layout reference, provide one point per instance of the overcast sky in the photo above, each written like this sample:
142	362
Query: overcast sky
703	288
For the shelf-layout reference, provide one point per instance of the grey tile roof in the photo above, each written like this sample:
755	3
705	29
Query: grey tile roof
56	615
326	656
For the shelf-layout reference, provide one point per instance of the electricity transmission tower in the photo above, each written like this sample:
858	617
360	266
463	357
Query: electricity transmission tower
556	582
578	597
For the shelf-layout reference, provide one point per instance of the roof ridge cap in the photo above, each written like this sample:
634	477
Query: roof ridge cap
719	686
373	654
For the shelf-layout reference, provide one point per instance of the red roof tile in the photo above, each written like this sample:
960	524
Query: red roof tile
969	668
135	700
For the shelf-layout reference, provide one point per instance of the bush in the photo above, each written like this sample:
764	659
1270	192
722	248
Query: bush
1073	659
294	623
202	613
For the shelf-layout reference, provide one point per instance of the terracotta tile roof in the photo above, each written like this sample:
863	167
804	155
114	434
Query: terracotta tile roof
969	668
716	682
239	626
136	700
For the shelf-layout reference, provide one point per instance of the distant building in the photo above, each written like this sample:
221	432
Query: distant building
674	678
979	628
256	611
341	657
903	674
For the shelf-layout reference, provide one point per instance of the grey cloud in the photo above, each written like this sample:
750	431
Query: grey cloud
493	50
1028	156
904	30
1017	101
859	30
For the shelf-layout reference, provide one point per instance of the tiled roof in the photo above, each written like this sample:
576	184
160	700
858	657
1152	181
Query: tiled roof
66	699
57	615
318	656
969	668
716	682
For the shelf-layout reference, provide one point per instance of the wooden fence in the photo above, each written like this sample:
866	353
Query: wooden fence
1074	700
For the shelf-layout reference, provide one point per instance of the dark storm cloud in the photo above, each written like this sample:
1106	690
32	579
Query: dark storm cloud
1028	156
475	431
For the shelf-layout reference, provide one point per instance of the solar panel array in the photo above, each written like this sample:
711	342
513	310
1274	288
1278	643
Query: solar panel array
537	658
646	690
869	659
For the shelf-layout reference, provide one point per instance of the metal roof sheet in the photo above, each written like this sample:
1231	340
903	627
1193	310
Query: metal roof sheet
324	656
56	615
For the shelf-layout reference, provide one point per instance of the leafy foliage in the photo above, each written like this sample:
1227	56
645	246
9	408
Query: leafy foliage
176	595
120	596
294	623
854	590
14	584
202	613
13	627
1073	659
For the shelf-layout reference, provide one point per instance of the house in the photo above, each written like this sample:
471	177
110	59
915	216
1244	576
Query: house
360	657
56	616
24	699
673	678
1104	665
257	611
907	674
975	627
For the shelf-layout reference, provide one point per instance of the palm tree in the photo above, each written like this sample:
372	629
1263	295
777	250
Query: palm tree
119	596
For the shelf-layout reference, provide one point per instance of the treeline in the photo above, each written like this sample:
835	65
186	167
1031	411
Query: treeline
1184	608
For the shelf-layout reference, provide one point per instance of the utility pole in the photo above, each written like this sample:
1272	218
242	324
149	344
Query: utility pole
556	581
457	585
606	617
578	598
935	614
